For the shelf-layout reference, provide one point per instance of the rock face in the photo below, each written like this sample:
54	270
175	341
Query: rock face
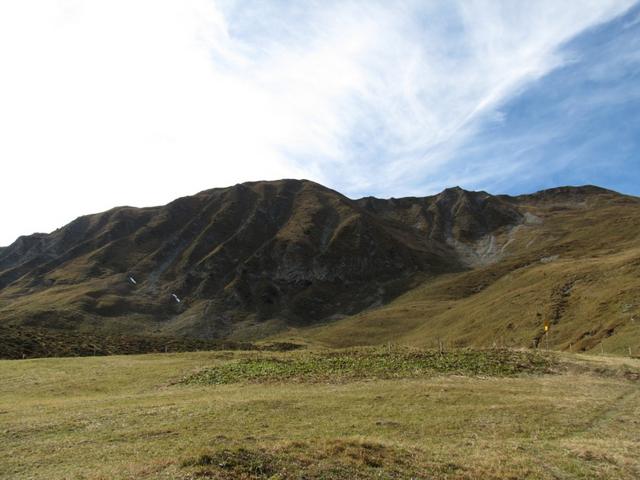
287	252
454	214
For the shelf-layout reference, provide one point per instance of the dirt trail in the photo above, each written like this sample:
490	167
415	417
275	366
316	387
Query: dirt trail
622	406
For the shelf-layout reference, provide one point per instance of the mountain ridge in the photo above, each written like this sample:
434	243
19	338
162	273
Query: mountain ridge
567	188
259	258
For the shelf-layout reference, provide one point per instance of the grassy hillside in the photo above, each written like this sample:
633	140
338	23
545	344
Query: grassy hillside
235	257
458	416
296	261
577	266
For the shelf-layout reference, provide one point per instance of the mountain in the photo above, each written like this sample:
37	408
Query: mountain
573	260
292	257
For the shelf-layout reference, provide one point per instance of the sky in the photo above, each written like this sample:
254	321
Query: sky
138	102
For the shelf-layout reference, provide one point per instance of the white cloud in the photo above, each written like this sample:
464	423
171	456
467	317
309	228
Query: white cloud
140	101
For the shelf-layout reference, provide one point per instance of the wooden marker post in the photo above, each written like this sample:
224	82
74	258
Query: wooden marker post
546	333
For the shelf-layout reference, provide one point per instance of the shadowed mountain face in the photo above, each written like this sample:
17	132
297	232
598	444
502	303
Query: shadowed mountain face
257	257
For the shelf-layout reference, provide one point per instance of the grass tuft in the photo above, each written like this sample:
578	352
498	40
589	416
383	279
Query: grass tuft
332	460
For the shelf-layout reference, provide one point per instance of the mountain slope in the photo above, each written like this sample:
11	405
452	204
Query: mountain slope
575	263
258	258
266	250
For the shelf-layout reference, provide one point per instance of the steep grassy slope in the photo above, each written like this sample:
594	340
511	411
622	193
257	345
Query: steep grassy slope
266	250
265	254
257	259
575	263
131	417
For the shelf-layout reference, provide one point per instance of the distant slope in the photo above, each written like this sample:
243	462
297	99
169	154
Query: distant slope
260	258
576	263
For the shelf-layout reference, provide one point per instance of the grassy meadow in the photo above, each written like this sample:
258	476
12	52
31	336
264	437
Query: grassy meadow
321	414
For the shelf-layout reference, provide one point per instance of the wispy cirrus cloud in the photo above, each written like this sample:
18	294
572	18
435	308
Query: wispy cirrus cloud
141	101
578	124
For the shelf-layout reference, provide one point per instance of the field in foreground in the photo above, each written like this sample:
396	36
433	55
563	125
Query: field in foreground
367	413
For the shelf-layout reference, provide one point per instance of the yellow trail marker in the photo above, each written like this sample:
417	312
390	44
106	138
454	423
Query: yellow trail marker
546	333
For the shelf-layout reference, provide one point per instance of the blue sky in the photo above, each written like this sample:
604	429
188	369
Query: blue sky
138	102
579	124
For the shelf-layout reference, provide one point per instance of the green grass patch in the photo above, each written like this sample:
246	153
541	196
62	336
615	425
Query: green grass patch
121	418
373	363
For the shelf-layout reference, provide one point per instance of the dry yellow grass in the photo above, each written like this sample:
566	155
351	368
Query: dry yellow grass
579	269
123	417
